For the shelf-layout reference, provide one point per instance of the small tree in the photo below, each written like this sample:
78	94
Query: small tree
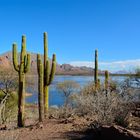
8	97
67	88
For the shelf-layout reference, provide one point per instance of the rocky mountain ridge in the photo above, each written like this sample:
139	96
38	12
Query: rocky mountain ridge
64	69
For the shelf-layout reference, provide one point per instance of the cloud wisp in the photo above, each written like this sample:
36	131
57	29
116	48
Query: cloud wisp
126	65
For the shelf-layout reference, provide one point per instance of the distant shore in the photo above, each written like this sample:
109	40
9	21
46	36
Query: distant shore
111	74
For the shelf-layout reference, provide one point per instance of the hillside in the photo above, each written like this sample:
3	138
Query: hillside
64	69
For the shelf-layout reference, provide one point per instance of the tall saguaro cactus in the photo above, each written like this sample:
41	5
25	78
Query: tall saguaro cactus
22	68
40	88
49	73
96	69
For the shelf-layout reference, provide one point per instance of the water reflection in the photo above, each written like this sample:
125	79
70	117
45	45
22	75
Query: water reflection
55	97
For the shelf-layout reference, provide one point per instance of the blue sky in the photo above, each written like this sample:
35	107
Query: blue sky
75	28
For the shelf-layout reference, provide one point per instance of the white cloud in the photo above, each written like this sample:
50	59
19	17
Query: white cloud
126	65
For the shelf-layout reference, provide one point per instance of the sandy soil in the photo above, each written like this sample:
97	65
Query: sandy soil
71	129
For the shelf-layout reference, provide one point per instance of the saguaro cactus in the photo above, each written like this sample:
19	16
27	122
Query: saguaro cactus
48	73
40	88
96	69
106	80
22	68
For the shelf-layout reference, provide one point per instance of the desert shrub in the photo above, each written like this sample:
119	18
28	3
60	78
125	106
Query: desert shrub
8	96
88	89
105	108
61	112
31	111
10	113
67	88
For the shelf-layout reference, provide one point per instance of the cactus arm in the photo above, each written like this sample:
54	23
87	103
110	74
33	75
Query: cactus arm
15	58
53	69
25	60
27	63
52	72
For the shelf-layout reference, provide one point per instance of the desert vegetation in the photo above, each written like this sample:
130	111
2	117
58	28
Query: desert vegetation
96	104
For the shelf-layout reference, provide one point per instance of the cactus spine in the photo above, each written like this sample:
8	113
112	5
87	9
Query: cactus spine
48	73
22	68
40	88
96	69
106	80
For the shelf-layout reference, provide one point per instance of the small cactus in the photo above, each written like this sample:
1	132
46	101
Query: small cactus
22	68
96	70
106	80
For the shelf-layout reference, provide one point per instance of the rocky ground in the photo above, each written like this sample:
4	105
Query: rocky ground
73	128
77	128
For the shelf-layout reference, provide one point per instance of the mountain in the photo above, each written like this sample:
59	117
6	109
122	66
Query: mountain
64	69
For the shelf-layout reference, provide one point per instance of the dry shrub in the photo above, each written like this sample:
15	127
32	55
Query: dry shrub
8	96
61	113
105	107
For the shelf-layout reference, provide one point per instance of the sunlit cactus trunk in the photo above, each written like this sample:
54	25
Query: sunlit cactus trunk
49	73
46	98
96	70
40	88
22	68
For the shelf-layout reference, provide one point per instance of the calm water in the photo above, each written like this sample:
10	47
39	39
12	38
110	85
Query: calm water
55	97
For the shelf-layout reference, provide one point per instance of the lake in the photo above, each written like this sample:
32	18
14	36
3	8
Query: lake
55	97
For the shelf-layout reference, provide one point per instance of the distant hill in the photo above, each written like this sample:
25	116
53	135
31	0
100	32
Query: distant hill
64	69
